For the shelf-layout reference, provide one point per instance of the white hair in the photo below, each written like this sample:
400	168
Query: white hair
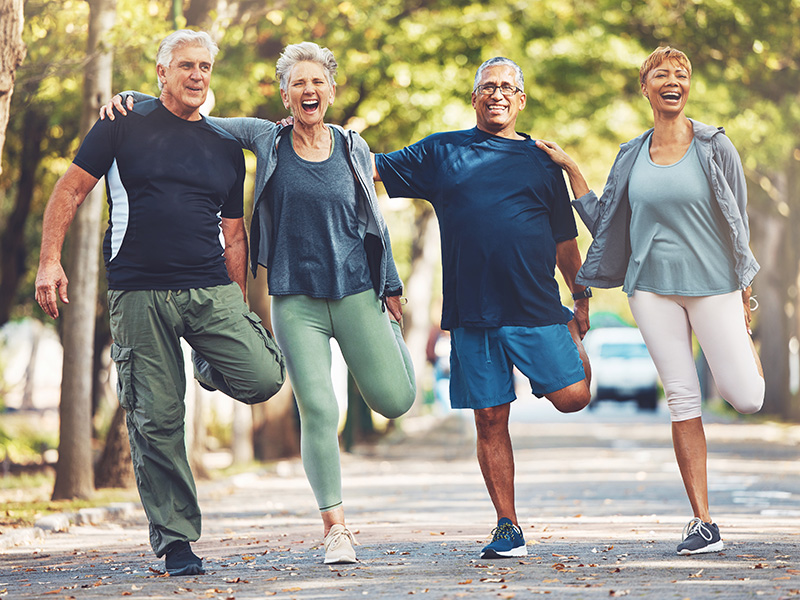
183	37
302	52
500	61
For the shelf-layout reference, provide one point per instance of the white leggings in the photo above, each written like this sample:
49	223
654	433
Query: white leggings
666	323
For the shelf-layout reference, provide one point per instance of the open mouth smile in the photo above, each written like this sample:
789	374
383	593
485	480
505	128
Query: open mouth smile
310	106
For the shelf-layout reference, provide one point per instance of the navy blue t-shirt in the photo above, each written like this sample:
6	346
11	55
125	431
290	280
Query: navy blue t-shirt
168	182
502	206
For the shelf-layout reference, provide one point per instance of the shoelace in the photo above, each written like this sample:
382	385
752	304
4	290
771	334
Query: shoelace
697	526
336	539
504	531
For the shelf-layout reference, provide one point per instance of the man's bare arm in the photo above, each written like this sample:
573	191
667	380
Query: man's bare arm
568	260
236	251
68	194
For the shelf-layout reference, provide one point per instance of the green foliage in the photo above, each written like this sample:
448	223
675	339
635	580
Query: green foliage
24	444
406	70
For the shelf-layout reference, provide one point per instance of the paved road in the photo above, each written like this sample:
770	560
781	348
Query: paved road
600	502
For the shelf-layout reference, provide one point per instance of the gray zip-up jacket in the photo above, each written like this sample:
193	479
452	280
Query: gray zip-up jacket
260	136
608	218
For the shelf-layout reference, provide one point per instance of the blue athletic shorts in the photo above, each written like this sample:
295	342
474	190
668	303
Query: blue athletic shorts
482	363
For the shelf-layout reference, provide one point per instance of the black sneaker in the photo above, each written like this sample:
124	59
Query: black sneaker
699	538
182	561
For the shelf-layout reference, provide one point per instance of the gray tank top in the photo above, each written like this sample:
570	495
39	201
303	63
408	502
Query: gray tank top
677	230
315	246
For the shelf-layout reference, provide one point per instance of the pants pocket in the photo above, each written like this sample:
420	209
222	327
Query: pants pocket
269	342
123	358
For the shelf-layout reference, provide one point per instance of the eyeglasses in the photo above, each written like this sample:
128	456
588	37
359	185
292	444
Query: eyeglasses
488	89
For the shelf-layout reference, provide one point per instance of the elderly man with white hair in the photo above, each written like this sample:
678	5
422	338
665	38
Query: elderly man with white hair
174	182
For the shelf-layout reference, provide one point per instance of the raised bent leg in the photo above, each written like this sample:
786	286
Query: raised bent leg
376	354
241	358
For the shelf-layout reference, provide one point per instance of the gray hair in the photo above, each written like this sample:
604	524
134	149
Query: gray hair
183	37
500	61
304	51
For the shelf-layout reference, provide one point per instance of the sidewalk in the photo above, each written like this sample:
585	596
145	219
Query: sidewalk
418	507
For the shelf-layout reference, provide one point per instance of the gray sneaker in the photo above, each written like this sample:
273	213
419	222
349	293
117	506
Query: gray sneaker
699	538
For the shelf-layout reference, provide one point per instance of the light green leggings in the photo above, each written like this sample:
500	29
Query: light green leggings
373	348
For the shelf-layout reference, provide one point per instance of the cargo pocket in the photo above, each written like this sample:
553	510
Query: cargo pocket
269	343
124	361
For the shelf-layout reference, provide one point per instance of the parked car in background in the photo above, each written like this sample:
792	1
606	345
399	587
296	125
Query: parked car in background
621	367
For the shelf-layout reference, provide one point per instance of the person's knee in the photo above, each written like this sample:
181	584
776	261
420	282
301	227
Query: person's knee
571	399
390	399
573	404
264	383
396	409
489	421
746	399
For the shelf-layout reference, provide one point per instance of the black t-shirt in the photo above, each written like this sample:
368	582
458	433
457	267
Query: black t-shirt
168	182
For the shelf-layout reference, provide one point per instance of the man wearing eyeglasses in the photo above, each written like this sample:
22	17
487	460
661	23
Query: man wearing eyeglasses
506	223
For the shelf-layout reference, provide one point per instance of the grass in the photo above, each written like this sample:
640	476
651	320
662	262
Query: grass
26	498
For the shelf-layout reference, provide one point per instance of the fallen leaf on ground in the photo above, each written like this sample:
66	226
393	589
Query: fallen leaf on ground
696	575
468	581
617	593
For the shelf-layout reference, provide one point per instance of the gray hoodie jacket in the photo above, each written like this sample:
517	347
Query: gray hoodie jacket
261	137
608	218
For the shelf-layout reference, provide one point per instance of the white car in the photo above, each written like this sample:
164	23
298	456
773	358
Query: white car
621	367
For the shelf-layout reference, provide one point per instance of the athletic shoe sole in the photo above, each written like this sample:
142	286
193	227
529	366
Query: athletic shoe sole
341	560
715	547
519	551
187	570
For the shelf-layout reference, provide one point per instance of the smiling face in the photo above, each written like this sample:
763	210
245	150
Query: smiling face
308	93
185	81
667	87
496	113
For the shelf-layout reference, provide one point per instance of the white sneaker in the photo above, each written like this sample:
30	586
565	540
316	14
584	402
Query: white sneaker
339	545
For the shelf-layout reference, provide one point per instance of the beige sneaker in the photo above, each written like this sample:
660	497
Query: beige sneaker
339	546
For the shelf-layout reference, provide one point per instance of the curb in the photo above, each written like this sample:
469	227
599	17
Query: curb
61	522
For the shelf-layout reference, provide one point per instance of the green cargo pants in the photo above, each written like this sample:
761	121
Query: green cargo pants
146	326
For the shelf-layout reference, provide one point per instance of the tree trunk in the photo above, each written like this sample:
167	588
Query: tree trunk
242	443
12	52
114	468
358	425
773	325
74	468
13	251
419	290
